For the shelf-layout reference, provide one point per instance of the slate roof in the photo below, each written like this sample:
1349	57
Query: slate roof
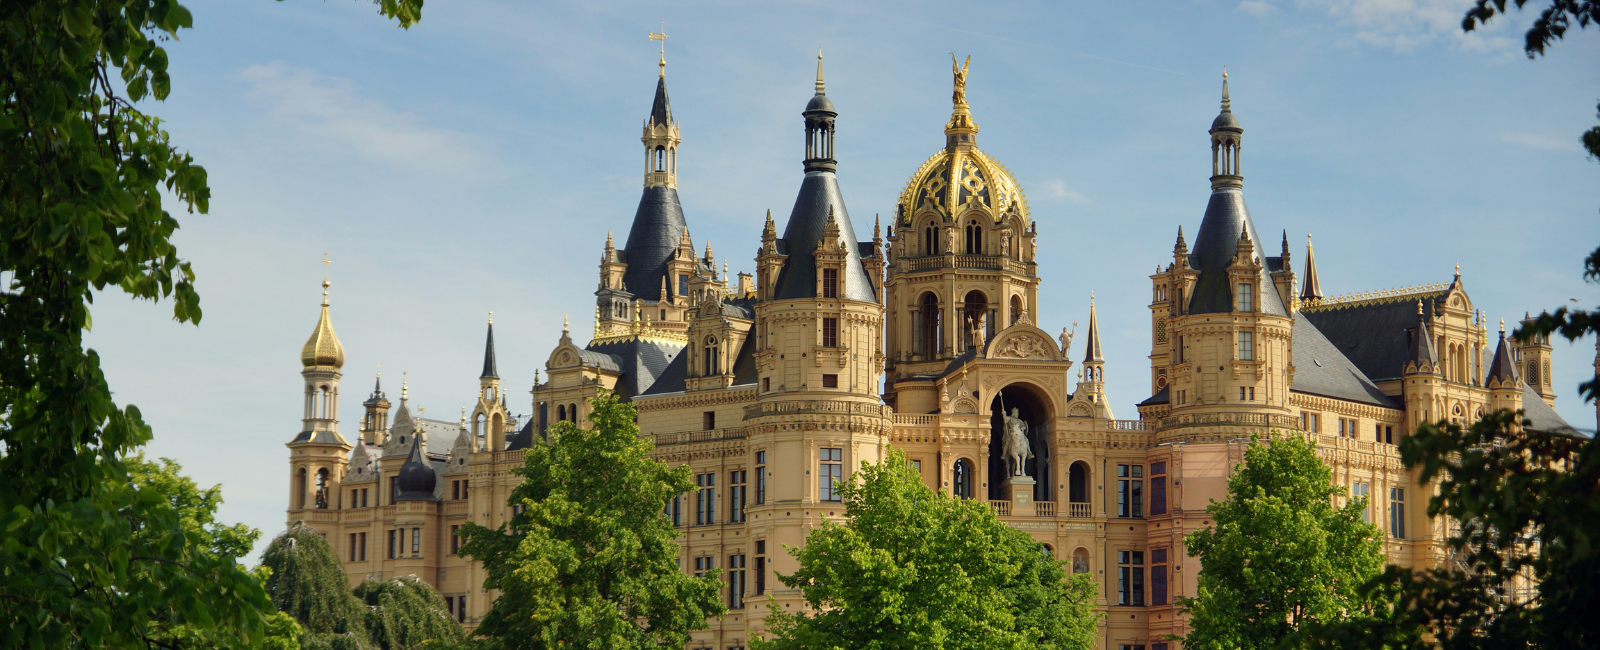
1214	247
1543	418
1502	368
319	437
744	362
658	226
490	370
641	363
661	109
417	477
1162	396
525	437
1321	369
674	379
819	193
1375	336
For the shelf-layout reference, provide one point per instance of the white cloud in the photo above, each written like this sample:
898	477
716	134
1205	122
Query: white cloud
1257	8
1541	141
1058	190
330	111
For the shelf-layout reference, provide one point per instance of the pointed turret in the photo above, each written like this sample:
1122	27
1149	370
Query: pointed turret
658	224
490	370
376	419
1091	353
416	479
323	349
1422	357
1502	370
1311	288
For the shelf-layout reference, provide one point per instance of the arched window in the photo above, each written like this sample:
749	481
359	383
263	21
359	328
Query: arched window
322	489
963	479
927	241
300	487
1078	483
1532	376
572	412
974	238
712	367
561	412
1016	309
975	312
930	336
661	159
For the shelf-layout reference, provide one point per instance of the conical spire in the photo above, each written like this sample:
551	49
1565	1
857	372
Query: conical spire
416	479
1181	245
323	348
1092	349
1422	355
1311	289
1502	371
822	87
490	370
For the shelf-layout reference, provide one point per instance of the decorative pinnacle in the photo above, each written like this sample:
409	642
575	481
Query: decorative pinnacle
564	327
662	36
1419	307
1502	326
821	87
463	417
1227	105
325	282
403	386
491	317
1458	270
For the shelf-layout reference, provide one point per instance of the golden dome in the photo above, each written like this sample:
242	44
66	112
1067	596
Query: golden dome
323	348
981	184
962	180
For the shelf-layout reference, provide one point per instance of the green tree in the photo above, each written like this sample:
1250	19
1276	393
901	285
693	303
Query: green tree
913	568
308	582
591	561
1279	554
405	613
82	175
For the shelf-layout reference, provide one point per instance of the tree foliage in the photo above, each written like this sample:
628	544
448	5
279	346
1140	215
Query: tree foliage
88	558
1279	554
591	562
309	583
913	568
405	613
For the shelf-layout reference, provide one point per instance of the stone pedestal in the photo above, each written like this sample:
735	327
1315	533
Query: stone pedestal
1019	491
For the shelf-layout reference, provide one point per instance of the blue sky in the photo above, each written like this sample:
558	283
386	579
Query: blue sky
476	162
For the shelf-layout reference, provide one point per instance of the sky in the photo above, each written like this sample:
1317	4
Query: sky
475	163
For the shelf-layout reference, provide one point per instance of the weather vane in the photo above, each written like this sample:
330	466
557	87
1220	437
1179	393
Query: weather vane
662	36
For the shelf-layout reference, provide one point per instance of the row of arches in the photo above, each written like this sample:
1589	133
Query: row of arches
974	233
318	498
978	322
662	159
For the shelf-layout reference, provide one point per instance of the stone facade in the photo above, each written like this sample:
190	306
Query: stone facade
769	388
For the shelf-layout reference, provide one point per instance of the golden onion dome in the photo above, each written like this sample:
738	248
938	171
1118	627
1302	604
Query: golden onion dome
323	348
961	180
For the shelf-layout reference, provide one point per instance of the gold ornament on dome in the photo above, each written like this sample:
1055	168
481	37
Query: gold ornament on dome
961	179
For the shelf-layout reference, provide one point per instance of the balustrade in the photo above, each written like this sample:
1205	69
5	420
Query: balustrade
1080	510
1001	508
1044	508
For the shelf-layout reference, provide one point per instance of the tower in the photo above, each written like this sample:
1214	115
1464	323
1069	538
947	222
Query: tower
1229	338
1422	375
1505	387
375	421
317	455
1311	291
1534	357
489	415
647	269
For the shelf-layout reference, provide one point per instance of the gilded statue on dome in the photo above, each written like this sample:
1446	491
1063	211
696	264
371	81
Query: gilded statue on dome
960	70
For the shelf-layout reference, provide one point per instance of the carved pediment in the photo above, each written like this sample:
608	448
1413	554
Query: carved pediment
1023	341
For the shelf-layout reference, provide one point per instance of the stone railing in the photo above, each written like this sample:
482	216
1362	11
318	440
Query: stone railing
814	406
1230	419
513	456
455	507
1080	510
1001	508
706	435
1126	425
916	420
983	262
1044	508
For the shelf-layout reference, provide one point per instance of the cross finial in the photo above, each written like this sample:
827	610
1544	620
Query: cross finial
491	317
662	36
325	282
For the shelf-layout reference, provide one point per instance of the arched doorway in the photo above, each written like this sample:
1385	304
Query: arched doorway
1034	410
1078	483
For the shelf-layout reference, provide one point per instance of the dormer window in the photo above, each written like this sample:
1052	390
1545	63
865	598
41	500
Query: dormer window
1246	301
830	283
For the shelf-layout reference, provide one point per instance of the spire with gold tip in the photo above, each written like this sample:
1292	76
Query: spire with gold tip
323	348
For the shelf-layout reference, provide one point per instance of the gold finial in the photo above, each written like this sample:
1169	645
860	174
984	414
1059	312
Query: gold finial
961	116
1224	72
1227	105
1458	270
1502	326
491	317
463	417
1419	306
403	386
325	283
724	273
662	36
564	327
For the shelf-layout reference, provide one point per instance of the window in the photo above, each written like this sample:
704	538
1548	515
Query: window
927	241
391	544
1158	576
1158	488
830	332
461	609
930	337
416	541
455	542
761	477
704	564
1247	347
394	491
450	604
830	283
464	488
1397	513
352	547
974	238
709	420
683	290
363	547
828	473
736	496
766	384
735	582
674	510
705	509
455	489
917	465
1245	295
1134	647
1130	578
1310	422
1180	349
1388	435
830	381
363	497
761	567
963	478
710	355
1130	491
1361	491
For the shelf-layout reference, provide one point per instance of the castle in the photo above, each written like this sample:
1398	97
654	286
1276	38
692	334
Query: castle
769	388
